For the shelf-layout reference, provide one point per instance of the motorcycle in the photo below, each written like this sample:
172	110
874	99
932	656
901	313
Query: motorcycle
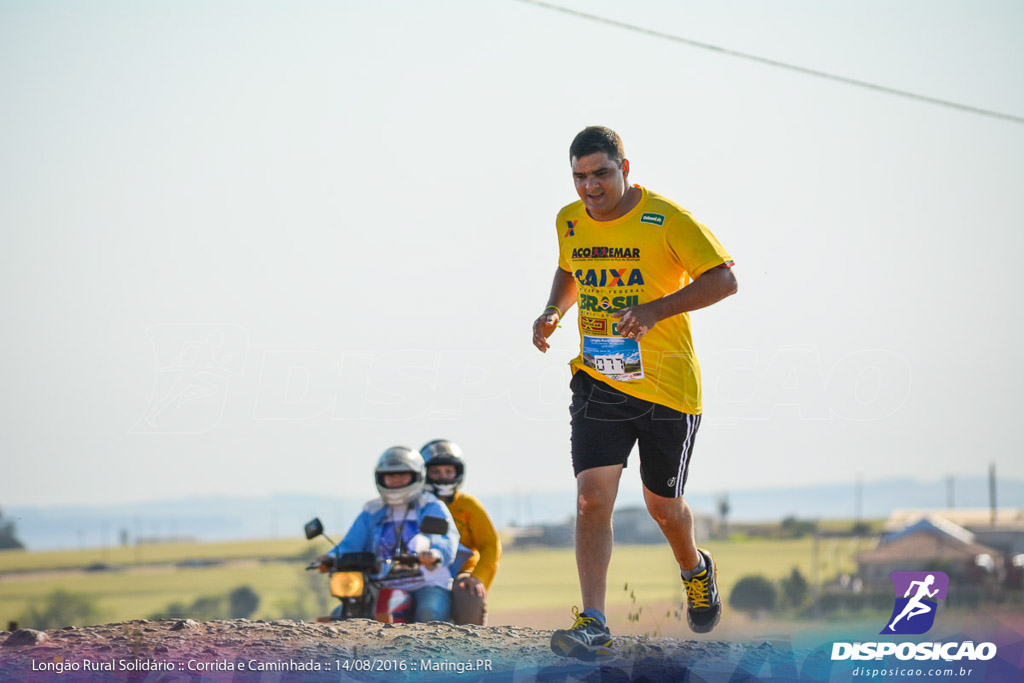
360	580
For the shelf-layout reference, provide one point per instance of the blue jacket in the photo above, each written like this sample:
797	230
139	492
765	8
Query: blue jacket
374	531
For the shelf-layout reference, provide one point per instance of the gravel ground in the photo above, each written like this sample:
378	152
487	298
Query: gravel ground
361	650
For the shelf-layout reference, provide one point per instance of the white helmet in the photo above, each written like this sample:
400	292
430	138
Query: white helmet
443	452
400	459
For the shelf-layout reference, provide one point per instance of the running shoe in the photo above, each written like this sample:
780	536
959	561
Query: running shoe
704	607
587	639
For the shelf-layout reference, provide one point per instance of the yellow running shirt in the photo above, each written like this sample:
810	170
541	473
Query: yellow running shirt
652	251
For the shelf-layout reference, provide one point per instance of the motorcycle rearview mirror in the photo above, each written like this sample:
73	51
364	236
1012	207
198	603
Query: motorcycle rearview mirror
314	528
433	525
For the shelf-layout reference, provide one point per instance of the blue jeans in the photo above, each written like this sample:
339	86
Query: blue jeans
433	603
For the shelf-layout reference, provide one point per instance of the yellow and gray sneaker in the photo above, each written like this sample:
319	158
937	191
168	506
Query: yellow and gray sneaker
587	639
704	607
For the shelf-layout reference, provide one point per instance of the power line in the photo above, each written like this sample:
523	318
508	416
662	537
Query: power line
775	63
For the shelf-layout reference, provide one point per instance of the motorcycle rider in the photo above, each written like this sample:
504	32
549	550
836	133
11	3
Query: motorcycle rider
389	525
479	541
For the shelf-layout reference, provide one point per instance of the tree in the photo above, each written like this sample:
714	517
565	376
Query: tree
243	602
753	594
8	541
205	607
175	610
795	588
240	603
792	527
208	607
723	514
59	609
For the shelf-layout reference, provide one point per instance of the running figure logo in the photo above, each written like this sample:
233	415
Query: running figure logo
914	613
195	366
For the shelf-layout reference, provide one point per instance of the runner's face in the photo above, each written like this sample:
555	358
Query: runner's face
600	183
441	473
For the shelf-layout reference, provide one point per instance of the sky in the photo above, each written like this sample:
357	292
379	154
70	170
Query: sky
247	246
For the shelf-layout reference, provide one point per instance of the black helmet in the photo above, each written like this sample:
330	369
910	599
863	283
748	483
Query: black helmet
442	452
400	459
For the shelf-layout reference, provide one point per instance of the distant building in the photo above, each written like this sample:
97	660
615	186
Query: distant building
630	524
1004	533
635	525
548	535
930	542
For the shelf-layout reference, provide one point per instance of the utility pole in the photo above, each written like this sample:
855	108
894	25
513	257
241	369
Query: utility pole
723	515
992	490
814	571
138	545
858	499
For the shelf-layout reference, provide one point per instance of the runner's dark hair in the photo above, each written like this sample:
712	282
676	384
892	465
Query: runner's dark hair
595	139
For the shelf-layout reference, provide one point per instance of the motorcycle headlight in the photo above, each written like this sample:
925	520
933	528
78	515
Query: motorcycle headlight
346	584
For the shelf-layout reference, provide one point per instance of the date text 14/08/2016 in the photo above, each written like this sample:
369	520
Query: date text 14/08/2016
458	667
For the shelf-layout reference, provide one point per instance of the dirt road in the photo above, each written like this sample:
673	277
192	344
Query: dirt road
362	650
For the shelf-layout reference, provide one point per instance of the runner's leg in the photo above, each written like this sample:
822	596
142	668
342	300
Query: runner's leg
674	517
595	498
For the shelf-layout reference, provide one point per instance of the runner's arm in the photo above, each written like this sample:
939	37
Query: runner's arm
711	287
562	297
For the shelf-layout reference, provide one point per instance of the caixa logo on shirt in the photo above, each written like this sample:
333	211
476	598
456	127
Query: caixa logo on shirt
917	596
609	277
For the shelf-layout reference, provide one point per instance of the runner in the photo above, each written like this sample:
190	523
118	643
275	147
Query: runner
636	263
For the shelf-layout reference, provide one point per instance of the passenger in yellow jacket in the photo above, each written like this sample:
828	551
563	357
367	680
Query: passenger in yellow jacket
479	543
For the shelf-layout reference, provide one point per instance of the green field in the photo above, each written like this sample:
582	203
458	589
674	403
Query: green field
533	586
157	553
538	587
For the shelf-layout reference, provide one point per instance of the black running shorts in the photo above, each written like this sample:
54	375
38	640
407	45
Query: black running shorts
606	423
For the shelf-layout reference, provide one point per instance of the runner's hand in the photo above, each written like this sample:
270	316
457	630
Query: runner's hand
635	321
472	584
543	327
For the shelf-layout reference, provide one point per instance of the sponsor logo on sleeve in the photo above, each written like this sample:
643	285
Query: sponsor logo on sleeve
653	219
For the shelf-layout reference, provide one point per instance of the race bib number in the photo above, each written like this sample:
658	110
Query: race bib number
617	358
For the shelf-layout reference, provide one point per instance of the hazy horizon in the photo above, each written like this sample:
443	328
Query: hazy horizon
283	515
